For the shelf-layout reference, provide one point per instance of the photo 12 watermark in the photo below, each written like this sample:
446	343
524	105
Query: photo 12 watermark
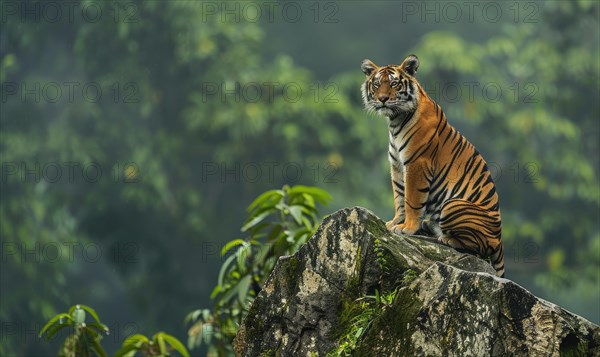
69	12
489	92
69	92
326	12
469	11
515	172
60	252
68	172
269	172
526	252
269	92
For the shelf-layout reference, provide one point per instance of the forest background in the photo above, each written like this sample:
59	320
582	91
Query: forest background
134	135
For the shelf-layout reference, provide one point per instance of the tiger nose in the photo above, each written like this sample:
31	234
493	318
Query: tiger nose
383	98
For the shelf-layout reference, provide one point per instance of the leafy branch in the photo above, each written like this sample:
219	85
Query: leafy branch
85	337
279	222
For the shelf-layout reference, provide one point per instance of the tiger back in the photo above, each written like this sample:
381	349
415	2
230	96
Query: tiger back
441	183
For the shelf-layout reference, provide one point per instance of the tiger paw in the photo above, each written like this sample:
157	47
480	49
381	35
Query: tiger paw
404	229
394	222
449	241
443	239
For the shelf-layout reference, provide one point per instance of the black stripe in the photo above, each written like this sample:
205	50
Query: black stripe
405	141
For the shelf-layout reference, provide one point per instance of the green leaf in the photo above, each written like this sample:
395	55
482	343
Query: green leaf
176	344
264	198
300	232
242	255
93	333
257	219
224	269
309	201
193	316
255	231
262	253
159	337
230	245
228	294
136	340
54	320
298	238
102	328
308	223
53	330
275	231
215	291
97	348
206	315
242	288
296	212
125	350
319	194
268	265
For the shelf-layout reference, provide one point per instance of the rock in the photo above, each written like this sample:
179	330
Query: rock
445	303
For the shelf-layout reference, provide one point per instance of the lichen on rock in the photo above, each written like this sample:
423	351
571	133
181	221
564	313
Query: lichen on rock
445	303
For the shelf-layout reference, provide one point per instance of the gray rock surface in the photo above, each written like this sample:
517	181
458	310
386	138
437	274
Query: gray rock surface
446	303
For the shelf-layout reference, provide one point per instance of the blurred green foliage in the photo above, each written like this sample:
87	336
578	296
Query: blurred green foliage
179	155
85	337
161	344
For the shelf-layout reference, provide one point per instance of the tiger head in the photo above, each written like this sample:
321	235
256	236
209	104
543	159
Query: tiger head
391	90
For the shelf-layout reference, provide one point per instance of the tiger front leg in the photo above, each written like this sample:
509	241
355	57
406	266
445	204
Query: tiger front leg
398	190
416	191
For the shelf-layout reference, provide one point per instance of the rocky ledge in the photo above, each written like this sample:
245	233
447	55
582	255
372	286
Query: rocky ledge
356	289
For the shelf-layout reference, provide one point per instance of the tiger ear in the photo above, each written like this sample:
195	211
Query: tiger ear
368	67
410	64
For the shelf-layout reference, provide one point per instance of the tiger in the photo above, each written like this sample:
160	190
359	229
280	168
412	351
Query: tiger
441	184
